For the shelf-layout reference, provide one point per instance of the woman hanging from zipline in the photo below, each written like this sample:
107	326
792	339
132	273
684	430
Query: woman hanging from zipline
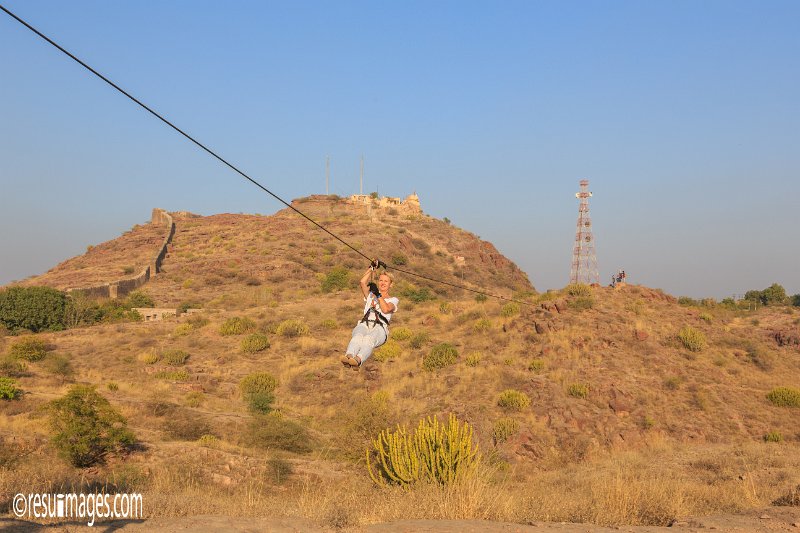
373	328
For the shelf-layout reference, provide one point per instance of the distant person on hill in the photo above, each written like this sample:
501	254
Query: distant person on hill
373	328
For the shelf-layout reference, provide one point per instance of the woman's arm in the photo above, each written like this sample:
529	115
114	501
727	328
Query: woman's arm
386	307
364	282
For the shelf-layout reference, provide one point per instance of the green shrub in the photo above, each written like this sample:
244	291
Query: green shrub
578	289
692	339
9	389
175	357
255	342
473	359
293	328
509	309
440	356
418	340
32	308
112	386
688	302
581	303
434	452
29	348
785	396
197	321
482	326
273	432
400	334
390	350
329	323
513	400
139	299
417	295
445	308
578	390
237	326
12	367
260	402
673	383
172	375
773	436
707	317
150	358
399	260
337	279
86	427
504	429
181	330
537	365
256	383
481	298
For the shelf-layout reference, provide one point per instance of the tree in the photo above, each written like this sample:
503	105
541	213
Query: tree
32	308
796	300
86	427
774	294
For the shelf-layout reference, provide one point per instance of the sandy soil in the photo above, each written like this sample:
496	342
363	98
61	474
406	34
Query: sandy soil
770	519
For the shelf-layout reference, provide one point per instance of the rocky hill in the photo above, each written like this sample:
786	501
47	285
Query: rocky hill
640	410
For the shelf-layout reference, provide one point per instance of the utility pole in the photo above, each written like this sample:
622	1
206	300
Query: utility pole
584	260
327	174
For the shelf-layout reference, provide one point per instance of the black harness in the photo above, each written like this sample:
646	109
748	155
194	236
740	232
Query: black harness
375	317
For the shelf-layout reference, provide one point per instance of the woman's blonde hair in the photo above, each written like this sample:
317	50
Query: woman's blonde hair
388	275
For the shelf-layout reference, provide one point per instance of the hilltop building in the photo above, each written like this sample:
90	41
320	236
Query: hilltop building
409	205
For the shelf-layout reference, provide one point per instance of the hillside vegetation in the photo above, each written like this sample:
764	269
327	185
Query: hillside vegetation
586	404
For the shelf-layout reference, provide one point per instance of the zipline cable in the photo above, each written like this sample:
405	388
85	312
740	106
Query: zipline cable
234	168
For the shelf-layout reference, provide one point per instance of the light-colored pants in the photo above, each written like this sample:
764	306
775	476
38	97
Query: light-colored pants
365	339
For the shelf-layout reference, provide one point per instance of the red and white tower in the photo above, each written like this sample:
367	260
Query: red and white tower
584	260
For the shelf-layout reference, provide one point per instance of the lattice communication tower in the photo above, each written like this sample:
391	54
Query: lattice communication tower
584	260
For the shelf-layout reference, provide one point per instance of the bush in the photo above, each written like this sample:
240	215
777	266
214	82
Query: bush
175	357
504	429
260	402
256	342
445	308
197	321
172	375
418	340
473	359
692	339
400	334
537	365
399	260
12	367
440	356
29	348
416	295
337	279
257	383
150	358
272	432
293	328
9	389
513	400
578	390
60	366
773	436
481	298
435	452
578	289
329	323
181	330
785	396
139	299
390	350
482	325
581	303
509	309
32	308
707	317
237	326
86	427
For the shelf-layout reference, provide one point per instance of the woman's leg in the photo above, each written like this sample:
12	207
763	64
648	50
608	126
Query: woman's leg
374	338
356	343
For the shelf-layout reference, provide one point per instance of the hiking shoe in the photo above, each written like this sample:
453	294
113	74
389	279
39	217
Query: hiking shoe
355	362
347	360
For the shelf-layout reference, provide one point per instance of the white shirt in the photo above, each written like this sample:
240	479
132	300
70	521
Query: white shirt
372	302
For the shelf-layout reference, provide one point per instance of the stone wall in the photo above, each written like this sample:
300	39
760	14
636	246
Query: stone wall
121	287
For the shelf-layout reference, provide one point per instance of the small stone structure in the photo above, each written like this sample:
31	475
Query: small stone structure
150	314
409	205
123	286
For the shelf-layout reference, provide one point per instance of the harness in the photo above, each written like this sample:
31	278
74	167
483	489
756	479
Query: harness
375	317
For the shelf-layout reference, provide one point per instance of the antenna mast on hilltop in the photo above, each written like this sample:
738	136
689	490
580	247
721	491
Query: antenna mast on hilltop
584	260
327	174
361	183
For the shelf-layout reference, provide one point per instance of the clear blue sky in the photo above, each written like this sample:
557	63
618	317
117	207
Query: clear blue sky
684	116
